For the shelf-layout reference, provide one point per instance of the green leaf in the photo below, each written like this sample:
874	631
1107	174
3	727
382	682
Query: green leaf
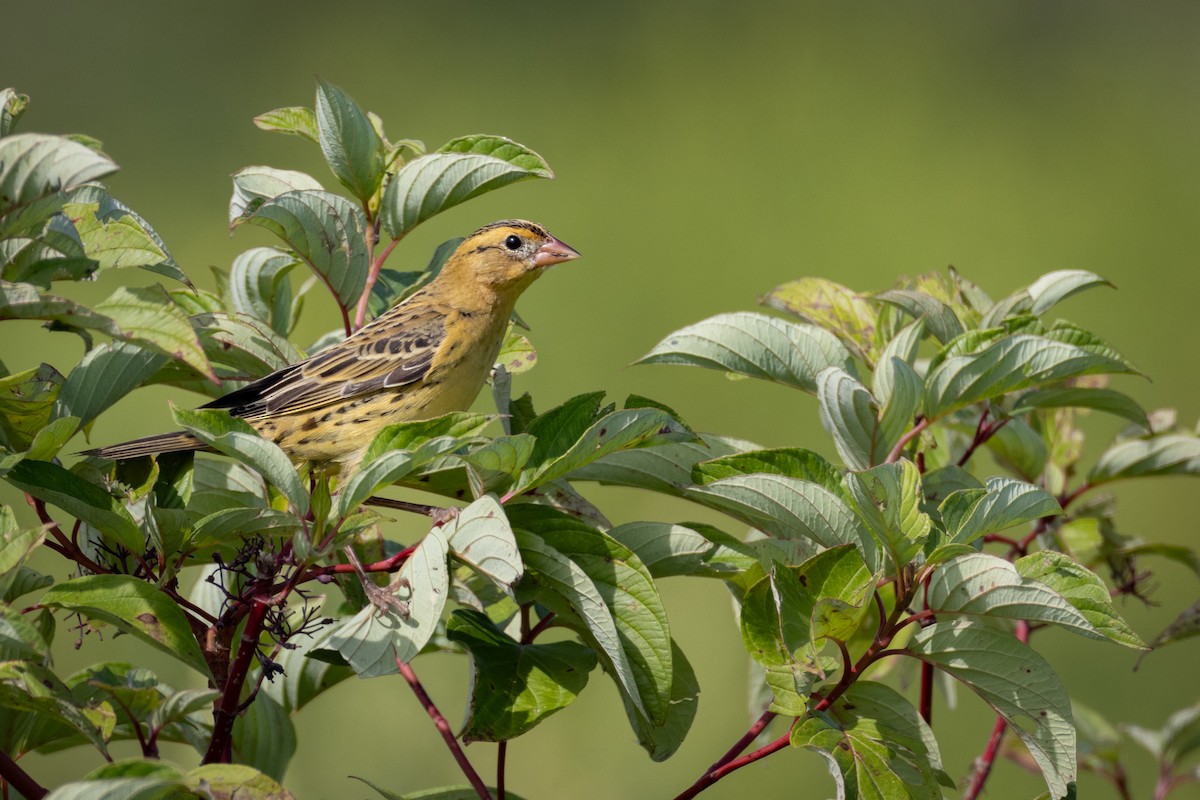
239	347
134	607
12	106
1184	626
1012	363
1082	589
665	468
987	585
35	167
888	499
462	169
788	508
296	120
829	305
220	526
1168	454
505	454
115	236
1017	683
24	301
326	231
105	375
16	545
1020	448
259	286
940	319
516	686
792	462
234	781
86	501
662	740
351	146
850	415
235	438
1054	287
1106	400
254	185
601	583
30	687
481	537
26	403
903	347
516	353
264	737
374	639
146	316
969	514
619	430
414	435
756	345
876	745
667	549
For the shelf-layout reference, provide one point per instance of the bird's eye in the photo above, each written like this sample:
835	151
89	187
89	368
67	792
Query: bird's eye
513	243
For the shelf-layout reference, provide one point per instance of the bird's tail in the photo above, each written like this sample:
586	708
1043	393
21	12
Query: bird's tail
148	445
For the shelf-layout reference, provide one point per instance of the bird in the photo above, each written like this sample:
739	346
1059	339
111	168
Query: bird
424	357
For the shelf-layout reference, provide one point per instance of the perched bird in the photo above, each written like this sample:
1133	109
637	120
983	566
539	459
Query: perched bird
427	356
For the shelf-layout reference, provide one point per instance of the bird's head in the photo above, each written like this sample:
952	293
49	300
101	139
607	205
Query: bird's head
508	255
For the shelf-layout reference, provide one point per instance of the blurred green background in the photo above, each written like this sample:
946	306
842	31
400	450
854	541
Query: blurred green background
705	153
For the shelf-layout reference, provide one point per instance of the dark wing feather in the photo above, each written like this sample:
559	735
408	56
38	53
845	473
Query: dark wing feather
389	353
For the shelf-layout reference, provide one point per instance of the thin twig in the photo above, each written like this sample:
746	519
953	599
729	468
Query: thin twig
389	564
913	433
443	727
501	757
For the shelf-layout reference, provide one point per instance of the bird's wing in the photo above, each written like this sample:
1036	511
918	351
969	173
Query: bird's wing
393	353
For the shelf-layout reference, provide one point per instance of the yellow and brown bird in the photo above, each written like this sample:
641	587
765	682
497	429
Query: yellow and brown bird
425	357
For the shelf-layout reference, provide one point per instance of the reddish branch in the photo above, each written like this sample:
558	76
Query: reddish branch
389	564
916	430
443	727
225	713
19	779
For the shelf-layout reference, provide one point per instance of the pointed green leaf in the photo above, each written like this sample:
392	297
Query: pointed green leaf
787	508
462	169
642	667
105	375
1016	362
903	347
147	317
26	404
829	305
1106	400
661	741
351	146
326	231
253	185
26	686
36	166
481	537
850	415
1082	589
264	737
1017	683
969	514
24	301
296	120
132	606
116	236
940	319
756	345
793	462
235	438
12	106
693	549
983	584
888	499
516	686
876	746
666	468
1054	287
1168	454
79	498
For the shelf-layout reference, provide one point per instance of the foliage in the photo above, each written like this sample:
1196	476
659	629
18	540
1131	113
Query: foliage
905	549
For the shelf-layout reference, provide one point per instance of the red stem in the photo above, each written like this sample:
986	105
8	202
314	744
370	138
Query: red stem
389	564
501	757
916	430
219	749
19	779
711	777
443	727
364	299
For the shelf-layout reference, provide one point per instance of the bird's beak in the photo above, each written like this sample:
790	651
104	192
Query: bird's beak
554	252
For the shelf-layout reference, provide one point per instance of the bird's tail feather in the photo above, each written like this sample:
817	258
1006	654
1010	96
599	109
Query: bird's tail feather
149	445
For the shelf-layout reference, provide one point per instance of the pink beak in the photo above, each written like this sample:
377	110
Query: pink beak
554	252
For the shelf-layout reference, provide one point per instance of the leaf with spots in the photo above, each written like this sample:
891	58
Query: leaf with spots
134	607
